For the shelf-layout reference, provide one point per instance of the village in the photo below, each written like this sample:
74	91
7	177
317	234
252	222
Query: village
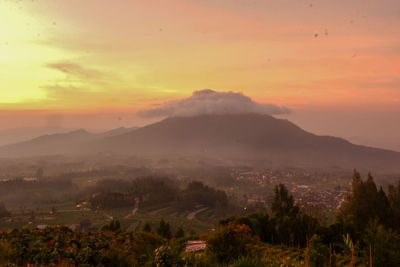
310	189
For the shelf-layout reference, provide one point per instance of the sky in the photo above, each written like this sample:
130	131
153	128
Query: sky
95	64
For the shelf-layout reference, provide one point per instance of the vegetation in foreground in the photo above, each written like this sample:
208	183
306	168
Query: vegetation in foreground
366	228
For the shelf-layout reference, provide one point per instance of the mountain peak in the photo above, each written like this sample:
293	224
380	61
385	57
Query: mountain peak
248	137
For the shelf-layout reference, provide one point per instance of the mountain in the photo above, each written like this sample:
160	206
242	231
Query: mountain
16	135
244	137
60	143
248	137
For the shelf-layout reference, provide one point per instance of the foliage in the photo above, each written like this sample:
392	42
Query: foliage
247	262
43	191
197	193
368	221
318	253
288	225
164	229
152	190
113	226
147	227
385	245
394	200
230	242
53	246
283	204
366	202
165	256
111	200
3	211
179	232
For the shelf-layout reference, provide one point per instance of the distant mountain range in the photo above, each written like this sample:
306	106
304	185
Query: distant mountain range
16	135
244	137
59	143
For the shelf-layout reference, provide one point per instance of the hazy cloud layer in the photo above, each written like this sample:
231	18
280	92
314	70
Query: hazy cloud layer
211	102
75	70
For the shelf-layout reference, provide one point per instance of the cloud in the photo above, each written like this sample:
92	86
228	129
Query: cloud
75	70
205	102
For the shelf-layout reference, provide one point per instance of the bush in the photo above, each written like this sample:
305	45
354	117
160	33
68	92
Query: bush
247	262
318	253
165	256
385	245
230	242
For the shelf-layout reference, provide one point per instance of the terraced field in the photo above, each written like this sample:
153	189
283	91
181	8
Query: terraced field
69	214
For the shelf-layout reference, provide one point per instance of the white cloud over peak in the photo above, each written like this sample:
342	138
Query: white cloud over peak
207	102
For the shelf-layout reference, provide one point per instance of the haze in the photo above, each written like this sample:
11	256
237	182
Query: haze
95	64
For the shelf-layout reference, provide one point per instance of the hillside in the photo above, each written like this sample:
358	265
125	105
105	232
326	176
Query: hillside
56	144
245	137
248	137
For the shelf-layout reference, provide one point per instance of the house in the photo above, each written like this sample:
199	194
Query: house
41	226
195	245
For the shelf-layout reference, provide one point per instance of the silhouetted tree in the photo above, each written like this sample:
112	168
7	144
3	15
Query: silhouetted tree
3	211
147	227
394	200
179	232
318	253
283	204
385	245
366	202
230	242
114	226
164	229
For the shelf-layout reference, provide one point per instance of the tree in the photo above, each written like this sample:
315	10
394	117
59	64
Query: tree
197	193
291	226
283	204
385	245
259	223
230	242
366	202
318	253
165	256
394	200
179	232
114	226
164	229
3	211
147	227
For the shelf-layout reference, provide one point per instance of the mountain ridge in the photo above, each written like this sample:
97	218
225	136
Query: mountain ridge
249	137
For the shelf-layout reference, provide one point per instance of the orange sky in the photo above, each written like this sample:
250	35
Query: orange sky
120	56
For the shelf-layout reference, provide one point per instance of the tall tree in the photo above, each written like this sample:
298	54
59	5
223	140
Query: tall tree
164	229
366	202
179	232
147	227
283	204
394	200
3	211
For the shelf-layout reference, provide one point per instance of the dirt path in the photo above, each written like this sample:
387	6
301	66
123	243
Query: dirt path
154	212
193	214
135	209
108	216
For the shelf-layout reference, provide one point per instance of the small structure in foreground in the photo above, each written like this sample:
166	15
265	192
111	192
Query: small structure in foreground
195	245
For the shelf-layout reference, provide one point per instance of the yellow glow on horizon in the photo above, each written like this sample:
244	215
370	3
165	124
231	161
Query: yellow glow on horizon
22	57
